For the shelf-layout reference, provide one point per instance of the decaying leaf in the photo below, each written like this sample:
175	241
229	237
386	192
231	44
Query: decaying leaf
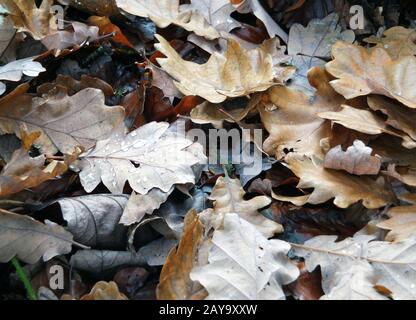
139	205
13	71
228	195
149	157
175	282
292	120
65	122
352	268
309	46
402	223
101	262
27	17
167	12
105	291
357	159
24	172
346	189
30	240
244	265
235	74
367	122
397	41
94	219
362	71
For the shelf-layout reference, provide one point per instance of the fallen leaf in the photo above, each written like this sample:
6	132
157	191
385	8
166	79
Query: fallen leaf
156	252
105	291
24	172
99	262
28	17
353	267
94	219
167	12
367	122
292	120
7	33
29	240
309	46
328	184
244	265
164	159
397	41
237	73
228	197
175	282
362	71
401	223
13	71
65	122
139	205
357	159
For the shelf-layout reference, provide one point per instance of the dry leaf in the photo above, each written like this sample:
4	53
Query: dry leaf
94	219
357	159
244	265
367	122
24	172
13	71
228	195
139	205
7	33
353	267
66	122
29	240
237	73
346	189
402	223
363	71
27	17
166	12
398	42
105	291
399	116
175	283
148	157
309	46
291	117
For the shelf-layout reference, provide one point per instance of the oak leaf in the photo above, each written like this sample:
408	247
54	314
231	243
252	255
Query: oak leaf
175	282
354	267
237	73
402	223
362	71
244	265
105	291
148	157
344	188
65	122
29	240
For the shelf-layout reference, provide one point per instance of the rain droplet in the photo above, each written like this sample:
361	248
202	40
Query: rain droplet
133	133
412	286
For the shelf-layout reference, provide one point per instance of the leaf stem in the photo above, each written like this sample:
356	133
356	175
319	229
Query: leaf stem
25	280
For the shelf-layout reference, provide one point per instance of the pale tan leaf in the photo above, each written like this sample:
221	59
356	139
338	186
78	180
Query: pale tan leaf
357	159
292	120
344	188
105	291
362	71
352	268
228	195
27	17
65	122
148	157
166	12
402	223
237	73
367	122
397	41
244	265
